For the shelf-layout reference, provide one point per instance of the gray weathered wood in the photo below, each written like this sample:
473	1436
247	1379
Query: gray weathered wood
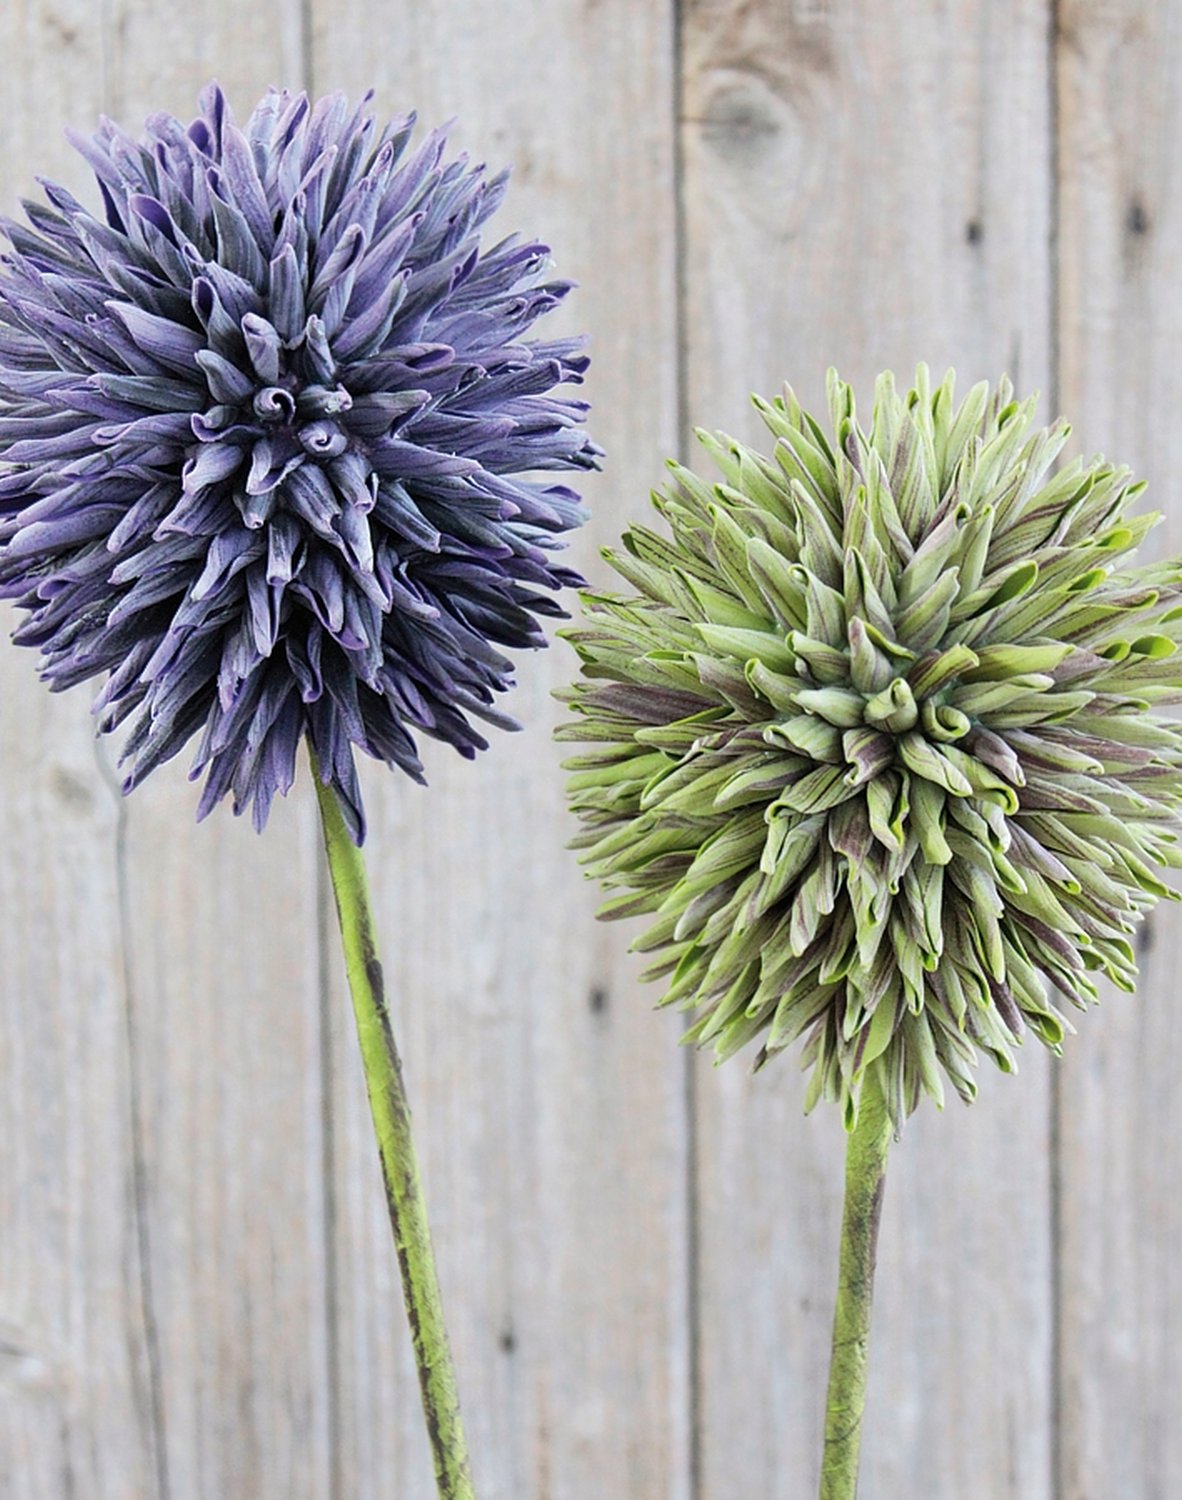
1120	1117
866	186
198	1297
179	1042
223	947
73	1356
549	1102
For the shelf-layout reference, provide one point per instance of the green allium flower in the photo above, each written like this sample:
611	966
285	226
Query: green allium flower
876	742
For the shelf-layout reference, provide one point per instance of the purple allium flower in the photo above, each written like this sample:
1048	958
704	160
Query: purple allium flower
265	425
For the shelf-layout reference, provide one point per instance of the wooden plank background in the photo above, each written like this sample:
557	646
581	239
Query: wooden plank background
197	1295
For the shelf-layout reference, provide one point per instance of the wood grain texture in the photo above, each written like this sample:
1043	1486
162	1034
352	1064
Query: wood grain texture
198	1295
1120	1121
549	1102
74	1360
198	1366
74	1356
868	185
223	989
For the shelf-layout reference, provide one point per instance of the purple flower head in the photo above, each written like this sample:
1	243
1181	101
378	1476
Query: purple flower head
266	424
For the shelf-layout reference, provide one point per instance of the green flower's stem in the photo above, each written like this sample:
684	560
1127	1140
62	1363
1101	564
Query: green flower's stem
865	1178
400	1168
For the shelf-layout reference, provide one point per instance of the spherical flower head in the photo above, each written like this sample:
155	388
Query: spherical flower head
268	424
876	741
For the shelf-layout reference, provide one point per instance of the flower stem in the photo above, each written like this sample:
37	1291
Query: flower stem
865	1178
400	1168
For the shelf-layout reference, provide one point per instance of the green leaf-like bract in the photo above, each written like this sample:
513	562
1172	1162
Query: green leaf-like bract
875	741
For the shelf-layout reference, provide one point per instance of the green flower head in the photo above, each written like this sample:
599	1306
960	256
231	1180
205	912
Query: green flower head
875	743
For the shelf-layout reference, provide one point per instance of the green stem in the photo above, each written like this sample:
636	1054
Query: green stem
865	1178
400	1168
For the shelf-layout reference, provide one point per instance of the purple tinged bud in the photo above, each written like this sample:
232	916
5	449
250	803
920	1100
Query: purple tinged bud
265	348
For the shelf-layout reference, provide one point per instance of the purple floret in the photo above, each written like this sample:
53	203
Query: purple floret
267	429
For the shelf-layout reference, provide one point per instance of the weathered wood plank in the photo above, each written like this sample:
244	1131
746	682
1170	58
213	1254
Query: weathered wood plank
549	1103
859	191
222	997
1120	1119
869	185
73	1357
74	1360
223	980
160	57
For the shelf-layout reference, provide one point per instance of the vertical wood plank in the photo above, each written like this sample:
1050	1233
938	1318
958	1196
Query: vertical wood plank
161	57
550	1104
222	995
1120	320
222	930
74	1367
868	185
